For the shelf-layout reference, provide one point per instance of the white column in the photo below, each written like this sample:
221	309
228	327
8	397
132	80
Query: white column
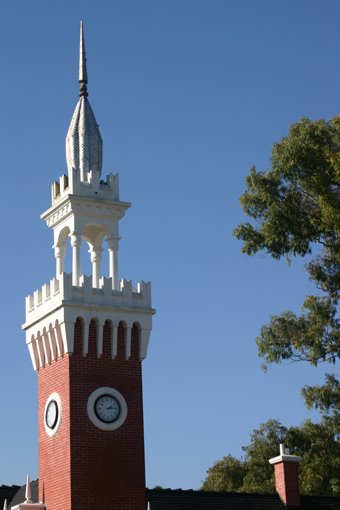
113	261
76	259
59	253
96	256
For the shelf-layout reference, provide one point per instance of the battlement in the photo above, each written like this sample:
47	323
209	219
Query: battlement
60	291
86	185
52	312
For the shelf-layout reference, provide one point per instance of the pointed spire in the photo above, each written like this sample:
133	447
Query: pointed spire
84	145
5	504
82	63
28	494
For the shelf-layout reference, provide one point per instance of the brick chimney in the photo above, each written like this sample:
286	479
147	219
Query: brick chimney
286	469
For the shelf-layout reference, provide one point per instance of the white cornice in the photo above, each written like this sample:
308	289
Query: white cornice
285	458
52	311
76	204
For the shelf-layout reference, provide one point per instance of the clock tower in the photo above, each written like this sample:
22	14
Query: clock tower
87	337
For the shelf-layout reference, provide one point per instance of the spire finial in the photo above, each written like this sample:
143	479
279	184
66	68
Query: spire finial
28	494
84	146
82	64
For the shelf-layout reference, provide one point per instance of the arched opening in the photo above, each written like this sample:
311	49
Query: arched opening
83	253
41	353
94	234
93	331
78	336
85	258
107	339
62	252
121	340
35	353
53	341
135	341
59	338
46	344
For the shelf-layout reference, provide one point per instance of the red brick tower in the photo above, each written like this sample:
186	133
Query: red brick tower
87	336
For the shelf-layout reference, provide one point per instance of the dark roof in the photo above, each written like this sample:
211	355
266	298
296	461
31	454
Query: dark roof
177	499
169	499
319	502
7	492
19	497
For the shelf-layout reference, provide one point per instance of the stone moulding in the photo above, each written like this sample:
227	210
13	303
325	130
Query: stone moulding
52	311
60	290
73	204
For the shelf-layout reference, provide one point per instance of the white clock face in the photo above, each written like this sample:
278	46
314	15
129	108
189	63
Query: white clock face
51	416
107	408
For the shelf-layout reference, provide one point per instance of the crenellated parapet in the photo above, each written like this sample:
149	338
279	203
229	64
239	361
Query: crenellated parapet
60	291
87	185
52	311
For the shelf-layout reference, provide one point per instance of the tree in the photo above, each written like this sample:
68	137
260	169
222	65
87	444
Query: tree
225	475
315	443
319	448
296	207
326	398
296	211
263	446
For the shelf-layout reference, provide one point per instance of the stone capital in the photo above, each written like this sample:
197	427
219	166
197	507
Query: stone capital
113	243
59	249
96	253
75	239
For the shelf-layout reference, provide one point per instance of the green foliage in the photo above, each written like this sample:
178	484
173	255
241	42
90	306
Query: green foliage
313	336
296	208
296	203
326	398
315	443
320	451
264	445
225	475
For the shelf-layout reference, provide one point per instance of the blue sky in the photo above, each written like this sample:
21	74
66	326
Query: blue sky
188	94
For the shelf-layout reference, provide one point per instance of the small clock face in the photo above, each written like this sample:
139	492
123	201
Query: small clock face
107	408
51	416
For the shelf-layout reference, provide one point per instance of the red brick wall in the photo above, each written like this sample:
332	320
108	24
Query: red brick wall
83	467
287	482
54	452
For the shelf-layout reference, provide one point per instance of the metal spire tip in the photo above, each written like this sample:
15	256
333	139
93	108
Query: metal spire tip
82	64
28	494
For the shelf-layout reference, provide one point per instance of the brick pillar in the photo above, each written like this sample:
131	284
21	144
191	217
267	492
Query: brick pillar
80	466
286	469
